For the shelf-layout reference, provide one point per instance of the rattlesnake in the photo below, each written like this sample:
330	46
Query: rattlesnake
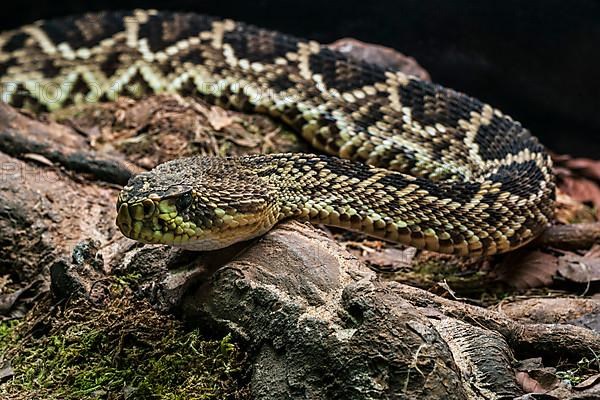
424	165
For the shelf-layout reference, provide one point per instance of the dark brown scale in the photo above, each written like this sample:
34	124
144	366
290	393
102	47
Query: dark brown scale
111	63
4	66
371	115
165	29
439	147
493	146
15	42
416	235
341	74
281	83
85	30
50	69
177	26
22	99
457	238
257	45
291	113
79	87
445	242
297	123
458	106
193	56
528	174
188	88
137	87
413	96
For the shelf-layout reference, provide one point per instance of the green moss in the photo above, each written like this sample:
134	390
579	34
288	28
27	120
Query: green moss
583	370
6	330
122	350
128	279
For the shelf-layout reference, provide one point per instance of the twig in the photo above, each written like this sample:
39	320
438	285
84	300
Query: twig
570	341
571	237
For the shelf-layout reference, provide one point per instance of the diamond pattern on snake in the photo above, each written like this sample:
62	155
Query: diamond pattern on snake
401	159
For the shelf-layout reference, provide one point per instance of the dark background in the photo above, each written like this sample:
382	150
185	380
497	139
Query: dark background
537	60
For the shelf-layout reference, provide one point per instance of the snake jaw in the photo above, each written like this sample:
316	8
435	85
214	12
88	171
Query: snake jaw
162	223
157	220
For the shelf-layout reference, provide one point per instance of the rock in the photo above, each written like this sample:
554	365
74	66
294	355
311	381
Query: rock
380	55
321	325
82	275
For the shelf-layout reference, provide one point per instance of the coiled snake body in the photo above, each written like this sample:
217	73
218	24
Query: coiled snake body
424	165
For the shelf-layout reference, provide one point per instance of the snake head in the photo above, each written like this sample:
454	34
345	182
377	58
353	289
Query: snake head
197	203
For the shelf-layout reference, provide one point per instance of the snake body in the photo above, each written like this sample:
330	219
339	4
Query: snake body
408	161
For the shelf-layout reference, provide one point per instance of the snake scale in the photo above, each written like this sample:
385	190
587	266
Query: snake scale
408	161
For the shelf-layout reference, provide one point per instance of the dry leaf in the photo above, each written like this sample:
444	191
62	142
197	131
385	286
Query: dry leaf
581	189
589	382
534	377
581	166
390	259
219	118
594	252
528	270
579	178
25	294
581	269
529	384
568	210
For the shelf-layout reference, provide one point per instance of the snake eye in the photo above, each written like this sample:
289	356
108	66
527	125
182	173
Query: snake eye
183	201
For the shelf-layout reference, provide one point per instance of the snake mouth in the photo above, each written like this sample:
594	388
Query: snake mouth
158	221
